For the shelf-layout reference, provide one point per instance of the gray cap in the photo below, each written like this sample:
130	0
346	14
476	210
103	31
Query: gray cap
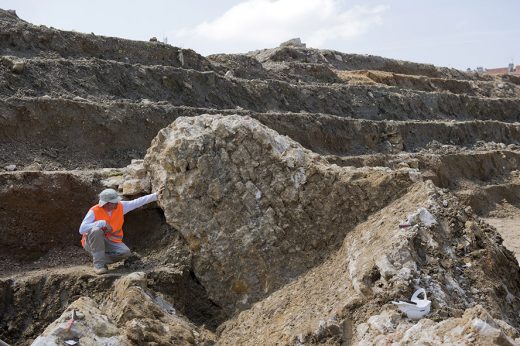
108	196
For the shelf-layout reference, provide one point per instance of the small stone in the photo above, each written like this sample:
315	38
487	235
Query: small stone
333	329
180	56
446	263
133	187
295	42
10	168
35	166
413	163
470	225
18	67
445	203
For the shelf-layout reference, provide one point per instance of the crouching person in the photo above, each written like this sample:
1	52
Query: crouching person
102	228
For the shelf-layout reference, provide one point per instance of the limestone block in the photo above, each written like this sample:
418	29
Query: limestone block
256	208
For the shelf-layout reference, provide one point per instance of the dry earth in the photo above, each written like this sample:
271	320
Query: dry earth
294	178
506	219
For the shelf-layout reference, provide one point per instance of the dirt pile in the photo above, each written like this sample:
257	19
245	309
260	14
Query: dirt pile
283	201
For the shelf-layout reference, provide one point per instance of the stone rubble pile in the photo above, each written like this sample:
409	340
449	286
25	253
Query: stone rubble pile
131	315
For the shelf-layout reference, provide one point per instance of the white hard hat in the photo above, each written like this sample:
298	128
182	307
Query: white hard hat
108	196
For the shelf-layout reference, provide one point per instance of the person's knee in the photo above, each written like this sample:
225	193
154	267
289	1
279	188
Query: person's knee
126	253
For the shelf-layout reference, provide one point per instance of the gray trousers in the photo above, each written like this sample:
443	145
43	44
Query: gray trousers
104	251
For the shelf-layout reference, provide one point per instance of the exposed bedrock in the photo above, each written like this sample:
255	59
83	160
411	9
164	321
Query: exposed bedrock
256	208
316	188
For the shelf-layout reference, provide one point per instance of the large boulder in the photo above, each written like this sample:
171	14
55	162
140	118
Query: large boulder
256	208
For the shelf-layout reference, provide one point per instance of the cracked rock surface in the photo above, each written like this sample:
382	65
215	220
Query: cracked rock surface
256	208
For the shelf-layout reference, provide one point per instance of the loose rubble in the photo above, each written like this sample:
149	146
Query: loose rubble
131	315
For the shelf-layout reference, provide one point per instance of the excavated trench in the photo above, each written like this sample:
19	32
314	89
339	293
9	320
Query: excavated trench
29	304
481	178
42	208
41	275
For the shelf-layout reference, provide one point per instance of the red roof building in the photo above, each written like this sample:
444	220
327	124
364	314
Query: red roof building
499	70
504	70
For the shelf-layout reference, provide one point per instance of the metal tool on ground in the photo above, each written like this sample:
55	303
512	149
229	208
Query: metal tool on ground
70	322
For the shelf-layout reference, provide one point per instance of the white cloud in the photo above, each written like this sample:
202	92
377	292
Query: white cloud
255	24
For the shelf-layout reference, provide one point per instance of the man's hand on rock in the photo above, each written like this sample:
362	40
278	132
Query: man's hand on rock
106	227
160	191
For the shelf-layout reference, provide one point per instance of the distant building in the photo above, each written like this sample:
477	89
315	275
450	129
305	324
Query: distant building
498	70
510	69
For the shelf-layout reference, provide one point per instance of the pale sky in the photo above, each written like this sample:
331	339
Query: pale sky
453	33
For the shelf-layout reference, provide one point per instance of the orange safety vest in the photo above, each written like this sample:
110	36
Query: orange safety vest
115	221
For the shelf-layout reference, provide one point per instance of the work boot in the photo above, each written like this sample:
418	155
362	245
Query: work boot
101	270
